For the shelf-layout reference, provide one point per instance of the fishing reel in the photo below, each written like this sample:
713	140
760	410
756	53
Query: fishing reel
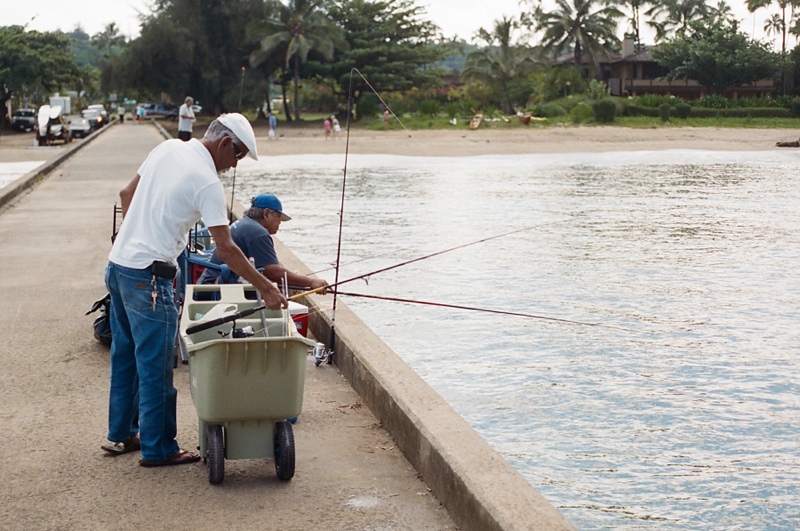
322	354
238	333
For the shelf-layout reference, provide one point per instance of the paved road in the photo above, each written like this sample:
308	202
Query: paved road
53	396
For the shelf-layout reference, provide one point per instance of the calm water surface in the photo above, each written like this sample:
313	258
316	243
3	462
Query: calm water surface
688	420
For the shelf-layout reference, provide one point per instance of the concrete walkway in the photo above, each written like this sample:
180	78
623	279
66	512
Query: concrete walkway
53	395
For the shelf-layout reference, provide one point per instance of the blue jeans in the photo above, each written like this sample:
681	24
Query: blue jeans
141	361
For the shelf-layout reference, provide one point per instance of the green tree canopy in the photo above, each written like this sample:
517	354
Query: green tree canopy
293	31
191	47
502	63
390	43
30	59
716	55
585	26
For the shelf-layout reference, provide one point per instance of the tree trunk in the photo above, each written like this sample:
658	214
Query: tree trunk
296	86
285	107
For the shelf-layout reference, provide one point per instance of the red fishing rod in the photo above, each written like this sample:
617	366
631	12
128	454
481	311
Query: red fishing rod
485	310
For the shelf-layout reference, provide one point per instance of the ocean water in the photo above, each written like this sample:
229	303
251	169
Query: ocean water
682	411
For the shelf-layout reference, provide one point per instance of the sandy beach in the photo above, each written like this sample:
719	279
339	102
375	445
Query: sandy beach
462	142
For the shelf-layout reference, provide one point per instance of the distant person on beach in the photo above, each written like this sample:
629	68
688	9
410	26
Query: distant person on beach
336	127
327	125
253	234
273	126
386	120
174	187
186	119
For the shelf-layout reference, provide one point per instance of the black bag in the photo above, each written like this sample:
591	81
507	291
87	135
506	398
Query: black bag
102	325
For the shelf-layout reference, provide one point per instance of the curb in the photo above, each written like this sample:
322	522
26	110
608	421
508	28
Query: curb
28	181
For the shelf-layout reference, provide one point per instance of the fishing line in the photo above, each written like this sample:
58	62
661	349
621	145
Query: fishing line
485	310
388	108
395	266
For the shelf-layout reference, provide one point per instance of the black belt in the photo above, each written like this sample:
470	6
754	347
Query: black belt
163	270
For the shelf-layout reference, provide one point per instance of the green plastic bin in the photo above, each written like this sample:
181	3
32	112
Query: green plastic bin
244	388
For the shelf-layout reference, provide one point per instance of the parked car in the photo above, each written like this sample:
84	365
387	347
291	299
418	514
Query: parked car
79	127
101	109
23	119
50	126
96	120
160	110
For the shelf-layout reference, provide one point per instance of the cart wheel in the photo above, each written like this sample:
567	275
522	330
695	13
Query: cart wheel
215	445
284	450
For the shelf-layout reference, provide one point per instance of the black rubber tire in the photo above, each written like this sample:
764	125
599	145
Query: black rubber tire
284	450
215	446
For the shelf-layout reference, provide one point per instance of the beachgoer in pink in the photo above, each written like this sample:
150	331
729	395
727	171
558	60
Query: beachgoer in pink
327	129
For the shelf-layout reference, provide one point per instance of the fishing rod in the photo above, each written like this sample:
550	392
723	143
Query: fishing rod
485	310
384	269
328	355
233	190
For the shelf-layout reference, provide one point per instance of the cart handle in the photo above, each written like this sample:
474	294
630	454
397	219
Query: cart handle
222	320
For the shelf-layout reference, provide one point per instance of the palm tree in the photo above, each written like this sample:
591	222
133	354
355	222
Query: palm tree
676	15
636	6
772	23
776	25
500	62
584	25
293	31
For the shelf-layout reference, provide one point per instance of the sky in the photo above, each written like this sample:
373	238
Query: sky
455	17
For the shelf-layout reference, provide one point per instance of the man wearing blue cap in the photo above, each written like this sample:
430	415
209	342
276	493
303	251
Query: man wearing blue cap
253	234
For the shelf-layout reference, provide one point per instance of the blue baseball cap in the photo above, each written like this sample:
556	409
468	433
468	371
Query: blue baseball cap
271	202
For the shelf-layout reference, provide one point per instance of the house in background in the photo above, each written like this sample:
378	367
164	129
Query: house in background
634	73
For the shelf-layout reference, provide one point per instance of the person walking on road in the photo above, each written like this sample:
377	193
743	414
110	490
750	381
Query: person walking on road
186	119
174	187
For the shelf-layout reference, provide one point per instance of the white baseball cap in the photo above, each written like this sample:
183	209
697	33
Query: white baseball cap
240	127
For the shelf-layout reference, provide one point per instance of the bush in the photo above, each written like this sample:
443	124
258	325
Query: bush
663	111
581	113
604	111
755	112
638	110
683	110
368	105
452	109
429	107
654	101
548	110
713	101
796	107
598	90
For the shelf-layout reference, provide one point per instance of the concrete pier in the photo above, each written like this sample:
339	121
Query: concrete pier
377	448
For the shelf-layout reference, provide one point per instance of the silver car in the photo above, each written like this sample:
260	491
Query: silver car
79	127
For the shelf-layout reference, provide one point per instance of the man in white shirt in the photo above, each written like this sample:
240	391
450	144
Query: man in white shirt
176	185
186	119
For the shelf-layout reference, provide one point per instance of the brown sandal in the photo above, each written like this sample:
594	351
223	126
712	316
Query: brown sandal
183	457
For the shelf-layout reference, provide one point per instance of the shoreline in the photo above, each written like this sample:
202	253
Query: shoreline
17	147
462	143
